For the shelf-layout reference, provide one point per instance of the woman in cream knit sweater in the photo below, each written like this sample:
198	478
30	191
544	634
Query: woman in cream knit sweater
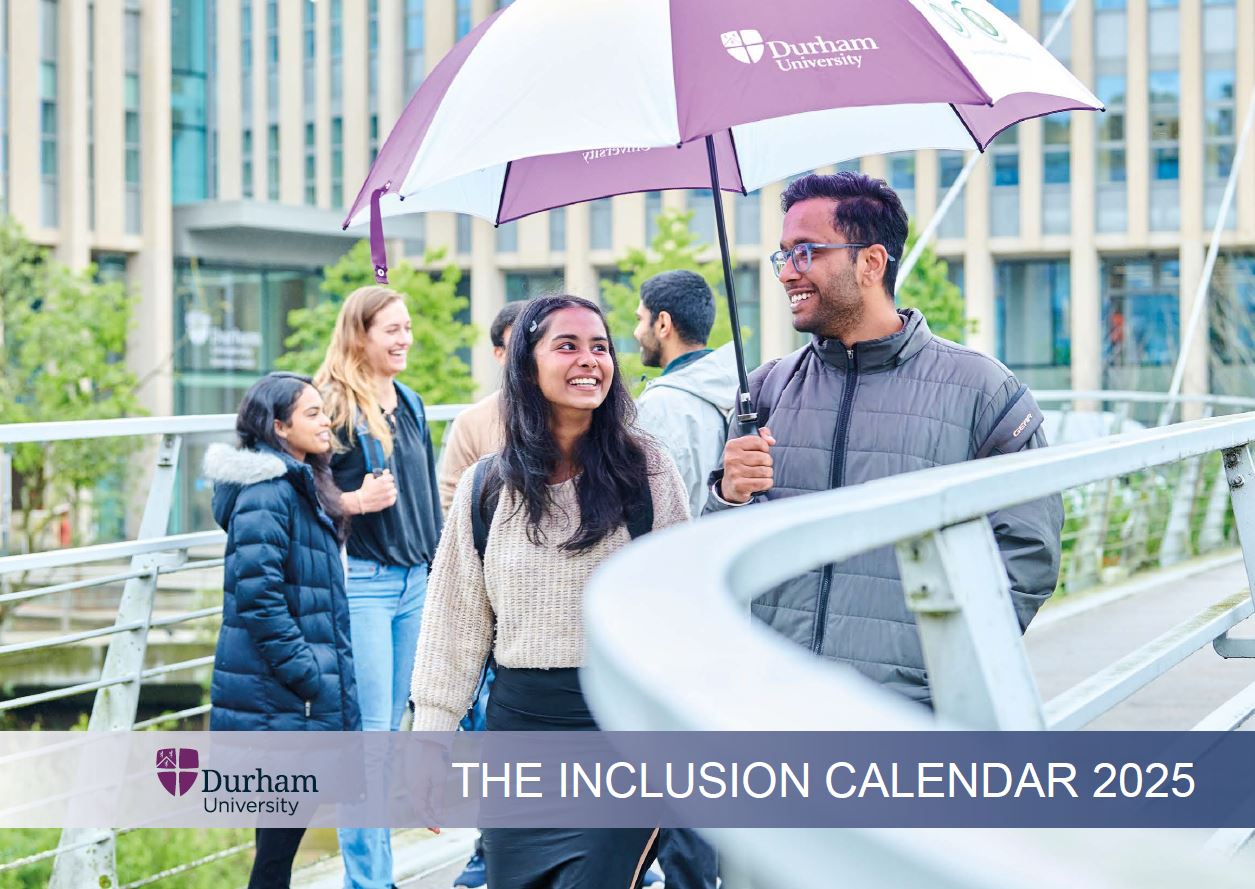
571	472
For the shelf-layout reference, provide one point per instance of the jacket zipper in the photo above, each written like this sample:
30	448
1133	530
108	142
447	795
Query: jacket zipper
836	478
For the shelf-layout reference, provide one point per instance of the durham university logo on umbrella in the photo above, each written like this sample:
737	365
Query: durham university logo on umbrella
744	46
177	768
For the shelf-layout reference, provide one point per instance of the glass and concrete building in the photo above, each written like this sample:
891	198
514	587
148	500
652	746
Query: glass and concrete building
206	149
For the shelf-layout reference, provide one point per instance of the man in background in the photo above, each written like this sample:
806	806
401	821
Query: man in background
686	409
477	430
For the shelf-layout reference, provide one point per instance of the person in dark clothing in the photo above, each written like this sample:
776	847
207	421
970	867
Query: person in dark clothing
874	394
384	464
283	660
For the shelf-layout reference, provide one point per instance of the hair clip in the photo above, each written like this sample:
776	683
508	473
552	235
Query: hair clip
532	329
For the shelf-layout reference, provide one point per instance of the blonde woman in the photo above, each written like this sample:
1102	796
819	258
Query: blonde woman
384	465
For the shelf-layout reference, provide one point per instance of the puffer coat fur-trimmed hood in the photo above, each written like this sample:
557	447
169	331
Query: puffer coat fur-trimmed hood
283	660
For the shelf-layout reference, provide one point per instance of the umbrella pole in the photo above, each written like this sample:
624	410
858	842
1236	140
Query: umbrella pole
745	413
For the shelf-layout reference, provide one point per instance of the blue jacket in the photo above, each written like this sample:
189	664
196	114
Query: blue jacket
284	660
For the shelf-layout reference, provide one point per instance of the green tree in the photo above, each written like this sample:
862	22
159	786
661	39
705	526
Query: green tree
434	369
63	339
928	289
673	247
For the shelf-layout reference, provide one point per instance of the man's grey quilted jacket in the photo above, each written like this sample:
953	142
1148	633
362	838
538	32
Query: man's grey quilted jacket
906	402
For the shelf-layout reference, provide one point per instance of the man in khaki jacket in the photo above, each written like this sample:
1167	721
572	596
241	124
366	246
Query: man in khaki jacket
477	430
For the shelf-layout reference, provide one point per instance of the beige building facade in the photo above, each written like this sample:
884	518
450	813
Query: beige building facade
206	150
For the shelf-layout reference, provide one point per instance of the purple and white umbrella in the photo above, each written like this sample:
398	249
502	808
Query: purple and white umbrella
553	102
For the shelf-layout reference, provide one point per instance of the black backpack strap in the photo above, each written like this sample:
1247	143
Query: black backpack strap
1014	427
485	493
640	519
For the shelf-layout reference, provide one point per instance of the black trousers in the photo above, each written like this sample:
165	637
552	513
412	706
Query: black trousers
553	858
276	849
688	861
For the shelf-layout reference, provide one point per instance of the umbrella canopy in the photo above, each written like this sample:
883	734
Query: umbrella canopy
793	85
549	103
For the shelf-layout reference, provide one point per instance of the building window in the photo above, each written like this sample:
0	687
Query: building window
463	19
309	25
1112	195
700	202
131	109
1033	326
311	164
272	58
246	163
508	238
272	162
653	206
902	178
337	162
557	230
415	58
48	112
1010	7
91	112
337	54
1004	196
1056	199
954	223
601	224
1232	303
525	285
374	138
1219	108
1141	315
1165	149
465	230
189	134
745	279
749	217
246	98
1164	86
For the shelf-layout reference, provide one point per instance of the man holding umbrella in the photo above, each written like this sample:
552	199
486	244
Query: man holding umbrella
874	394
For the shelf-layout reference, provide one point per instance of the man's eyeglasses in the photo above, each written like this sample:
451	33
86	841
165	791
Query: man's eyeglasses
801	255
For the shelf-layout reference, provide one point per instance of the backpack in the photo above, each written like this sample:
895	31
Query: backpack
486	492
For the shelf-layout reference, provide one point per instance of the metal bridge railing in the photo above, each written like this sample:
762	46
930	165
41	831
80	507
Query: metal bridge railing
1099	527
1147	519
87	857
745	677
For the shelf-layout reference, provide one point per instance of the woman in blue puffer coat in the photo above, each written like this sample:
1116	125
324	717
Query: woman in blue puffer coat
283	661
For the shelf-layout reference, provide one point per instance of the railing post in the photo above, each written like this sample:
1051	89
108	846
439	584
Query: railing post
1239	467
1176	536
978	670
115	706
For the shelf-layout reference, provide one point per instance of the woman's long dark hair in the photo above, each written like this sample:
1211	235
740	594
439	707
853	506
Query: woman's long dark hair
611	456
274	397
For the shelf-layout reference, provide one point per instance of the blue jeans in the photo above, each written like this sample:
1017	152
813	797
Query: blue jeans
385	613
